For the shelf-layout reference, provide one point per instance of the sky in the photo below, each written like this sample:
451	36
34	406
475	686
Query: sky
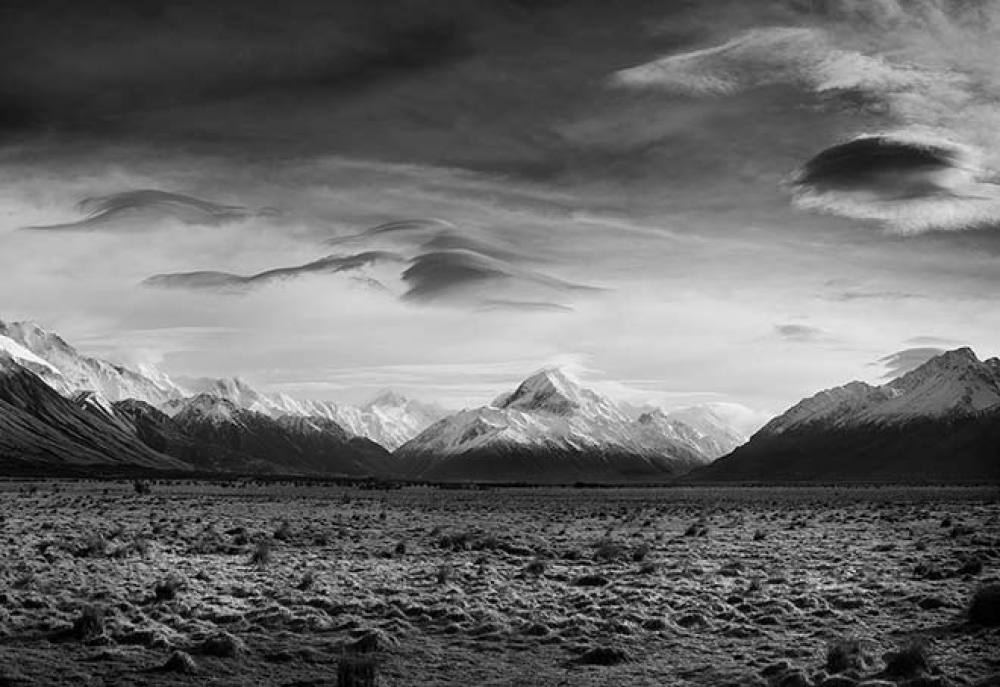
680	202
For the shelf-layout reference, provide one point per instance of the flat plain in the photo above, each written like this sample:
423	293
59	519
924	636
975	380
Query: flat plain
244	583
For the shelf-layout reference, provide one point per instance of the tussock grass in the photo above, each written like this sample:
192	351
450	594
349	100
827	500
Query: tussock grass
984	609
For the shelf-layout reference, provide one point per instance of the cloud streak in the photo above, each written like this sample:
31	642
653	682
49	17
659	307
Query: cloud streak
234	283
901	362
137	209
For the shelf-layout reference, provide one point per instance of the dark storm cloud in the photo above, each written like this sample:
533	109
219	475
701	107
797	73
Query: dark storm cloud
799	333
227	282
84	64
130	209
890	168
901	362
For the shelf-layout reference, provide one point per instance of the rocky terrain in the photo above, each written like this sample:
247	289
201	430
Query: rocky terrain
242	583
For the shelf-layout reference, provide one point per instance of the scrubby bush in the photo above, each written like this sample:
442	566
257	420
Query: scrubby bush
648	568
166	589
261	555
89	624
640	552
845	654
971	566
910	661
984	609
284	531
608	549
93	545
141	487
221	645
307	581
697	529
357	670
535	568
444	573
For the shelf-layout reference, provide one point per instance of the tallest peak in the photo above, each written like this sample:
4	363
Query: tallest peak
549	389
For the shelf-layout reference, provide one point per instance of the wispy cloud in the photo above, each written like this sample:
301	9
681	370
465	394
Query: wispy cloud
235	283
901	362
136	209
800	333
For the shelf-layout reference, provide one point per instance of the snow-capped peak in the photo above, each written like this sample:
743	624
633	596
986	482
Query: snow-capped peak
22	355
955	383
68	371
552	390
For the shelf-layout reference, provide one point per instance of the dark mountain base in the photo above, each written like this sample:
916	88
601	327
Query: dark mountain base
960	450
541	467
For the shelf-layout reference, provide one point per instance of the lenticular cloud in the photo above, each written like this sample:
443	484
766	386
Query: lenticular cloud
909	182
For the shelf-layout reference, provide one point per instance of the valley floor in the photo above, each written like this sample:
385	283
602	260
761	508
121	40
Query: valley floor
285	584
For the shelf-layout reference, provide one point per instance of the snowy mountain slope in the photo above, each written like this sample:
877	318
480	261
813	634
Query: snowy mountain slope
83	373
550	428
28	360
709	427
40	430
295	444
389	419
940	421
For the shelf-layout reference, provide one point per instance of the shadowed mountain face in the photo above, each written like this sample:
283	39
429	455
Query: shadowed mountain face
290	444
938	422
42	431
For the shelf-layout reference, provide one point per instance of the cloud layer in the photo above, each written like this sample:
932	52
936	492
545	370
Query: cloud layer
918	72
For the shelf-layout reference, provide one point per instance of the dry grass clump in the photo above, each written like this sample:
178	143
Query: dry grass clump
445	572
608	549
984	609
357	670
697	529
221	645
846	654
284	531
603	656
94	545
535	568
180	662
910	661
89	624
640	552
261	554
167	589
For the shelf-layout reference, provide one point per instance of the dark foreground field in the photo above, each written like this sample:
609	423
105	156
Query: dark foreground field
217	584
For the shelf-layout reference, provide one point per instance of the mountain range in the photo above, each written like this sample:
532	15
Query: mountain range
389	419
938	422
552	429
65	412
